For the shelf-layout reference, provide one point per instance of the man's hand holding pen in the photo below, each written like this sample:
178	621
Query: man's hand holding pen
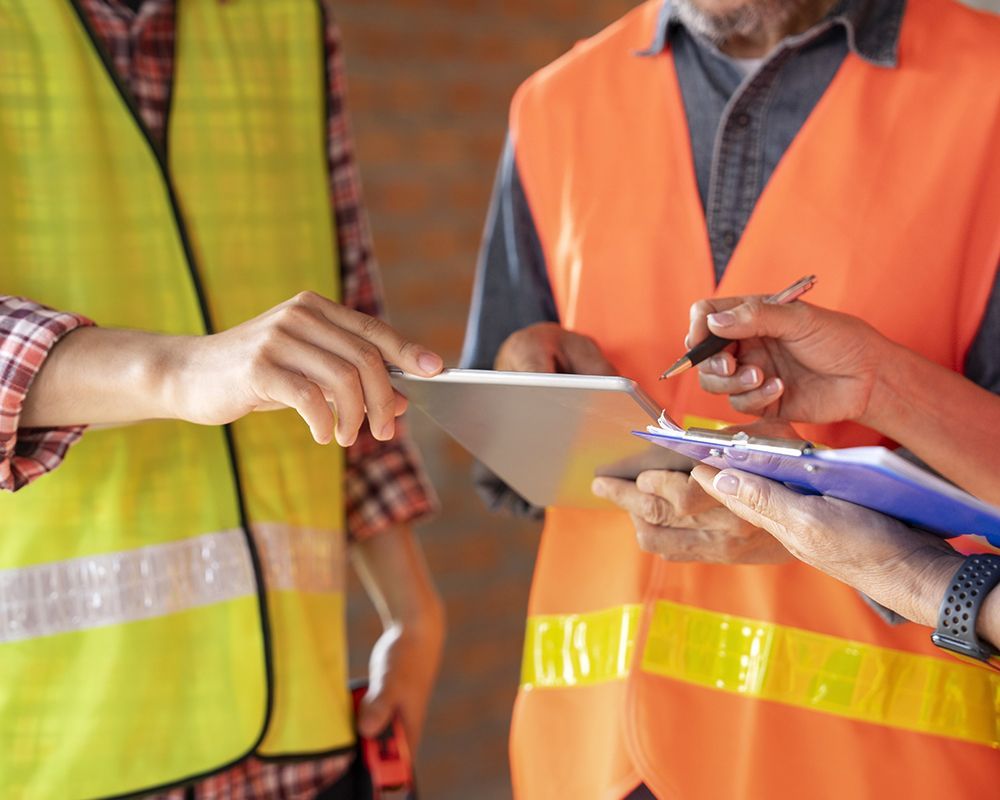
775	358
711	343
795	361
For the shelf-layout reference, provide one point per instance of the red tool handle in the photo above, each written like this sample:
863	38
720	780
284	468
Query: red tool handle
386	756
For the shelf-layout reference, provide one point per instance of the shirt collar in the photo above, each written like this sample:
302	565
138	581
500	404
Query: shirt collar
872	28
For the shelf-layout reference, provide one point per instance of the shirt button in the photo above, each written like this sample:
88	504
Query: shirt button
729	238
743	120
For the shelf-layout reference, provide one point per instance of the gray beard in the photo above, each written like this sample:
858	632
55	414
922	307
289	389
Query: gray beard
743	21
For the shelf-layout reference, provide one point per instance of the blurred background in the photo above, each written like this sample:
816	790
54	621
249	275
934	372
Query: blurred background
429	83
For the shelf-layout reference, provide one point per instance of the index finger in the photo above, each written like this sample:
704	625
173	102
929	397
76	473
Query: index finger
395	348
624	494
698	328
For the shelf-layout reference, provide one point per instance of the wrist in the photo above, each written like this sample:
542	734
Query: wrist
887	409
967	603
918	586
392	569
171	362
424	616
988	624
102	376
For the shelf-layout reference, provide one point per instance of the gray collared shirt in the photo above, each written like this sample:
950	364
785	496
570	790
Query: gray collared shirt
742	123
740	126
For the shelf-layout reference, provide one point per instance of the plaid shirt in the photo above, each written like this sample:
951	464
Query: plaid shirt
385	484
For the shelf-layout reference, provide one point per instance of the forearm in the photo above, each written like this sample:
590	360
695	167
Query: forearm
101	376
405	659
393	570
946	420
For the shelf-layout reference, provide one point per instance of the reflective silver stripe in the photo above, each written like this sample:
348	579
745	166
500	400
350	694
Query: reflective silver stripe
306	559
114	588
125	586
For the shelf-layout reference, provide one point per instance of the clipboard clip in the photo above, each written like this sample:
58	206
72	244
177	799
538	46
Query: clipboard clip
744	441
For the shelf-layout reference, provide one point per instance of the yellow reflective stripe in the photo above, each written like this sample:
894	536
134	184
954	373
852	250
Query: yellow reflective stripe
579	649
705	423
769	662
712	424
824	673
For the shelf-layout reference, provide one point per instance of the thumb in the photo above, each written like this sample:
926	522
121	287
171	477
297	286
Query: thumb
759	501
755	318
376	711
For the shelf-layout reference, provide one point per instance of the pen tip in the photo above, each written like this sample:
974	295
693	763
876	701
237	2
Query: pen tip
682	365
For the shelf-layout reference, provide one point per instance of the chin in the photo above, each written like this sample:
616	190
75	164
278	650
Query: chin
720	20
714	8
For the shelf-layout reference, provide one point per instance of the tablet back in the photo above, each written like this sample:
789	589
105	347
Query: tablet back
547	436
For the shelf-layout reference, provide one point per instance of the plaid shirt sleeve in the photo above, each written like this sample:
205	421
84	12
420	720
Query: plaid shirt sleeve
28	331
385	481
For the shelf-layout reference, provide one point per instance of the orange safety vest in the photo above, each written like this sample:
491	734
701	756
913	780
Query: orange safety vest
710	681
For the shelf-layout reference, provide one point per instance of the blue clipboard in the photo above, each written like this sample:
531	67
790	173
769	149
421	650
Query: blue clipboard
873	477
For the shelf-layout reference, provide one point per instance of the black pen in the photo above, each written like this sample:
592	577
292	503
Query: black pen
716	344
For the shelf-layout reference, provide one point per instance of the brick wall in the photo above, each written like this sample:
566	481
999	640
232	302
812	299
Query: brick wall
429	86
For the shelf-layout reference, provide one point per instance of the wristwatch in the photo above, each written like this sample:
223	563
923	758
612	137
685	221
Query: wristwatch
956	627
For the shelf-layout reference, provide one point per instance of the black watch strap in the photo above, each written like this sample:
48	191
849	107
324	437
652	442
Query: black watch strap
956	627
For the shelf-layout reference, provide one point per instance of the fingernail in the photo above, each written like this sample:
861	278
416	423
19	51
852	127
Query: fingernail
749	377
722	319
429	362
718	365
597	487
385	432
773	386
726	483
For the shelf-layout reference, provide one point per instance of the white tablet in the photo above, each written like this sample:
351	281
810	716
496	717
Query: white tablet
546	435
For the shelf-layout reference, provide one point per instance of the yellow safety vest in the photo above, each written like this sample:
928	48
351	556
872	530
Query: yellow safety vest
171	598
